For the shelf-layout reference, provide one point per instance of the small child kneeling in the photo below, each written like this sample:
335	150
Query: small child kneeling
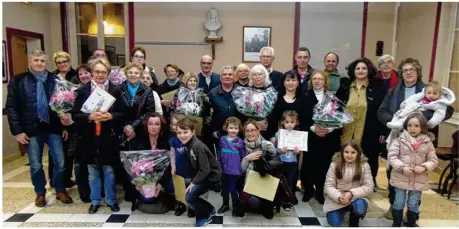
348	183
412	156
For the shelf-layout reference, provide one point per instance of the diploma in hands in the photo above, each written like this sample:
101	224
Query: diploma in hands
292	139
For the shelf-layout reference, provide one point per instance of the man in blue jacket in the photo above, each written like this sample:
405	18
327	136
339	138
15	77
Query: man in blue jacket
208	79
266	58
33	123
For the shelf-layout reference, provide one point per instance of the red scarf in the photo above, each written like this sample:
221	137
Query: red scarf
393	78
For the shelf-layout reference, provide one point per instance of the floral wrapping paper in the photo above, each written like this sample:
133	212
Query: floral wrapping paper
192	103
145	167
331	112
63	97
253	102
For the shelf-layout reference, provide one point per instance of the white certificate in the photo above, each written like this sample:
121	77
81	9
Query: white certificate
99	100
292	139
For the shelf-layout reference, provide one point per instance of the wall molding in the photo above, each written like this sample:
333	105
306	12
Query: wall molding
64	26
435	40
364	28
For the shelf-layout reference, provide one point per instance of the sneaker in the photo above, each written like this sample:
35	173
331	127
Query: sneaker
40	201
202	222
213	213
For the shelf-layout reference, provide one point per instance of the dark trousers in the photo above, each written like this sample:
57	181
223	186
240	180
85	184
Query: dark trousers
313	173
391	189
229	186
290	172
201	207
374	163
81	178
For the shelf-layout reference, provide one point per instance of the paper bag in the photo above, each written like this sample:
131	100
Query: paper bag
263	187
179	188
169	95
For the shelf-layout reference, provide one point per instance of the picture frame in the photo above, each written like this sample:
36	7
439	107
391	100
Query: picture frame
253	39
4	64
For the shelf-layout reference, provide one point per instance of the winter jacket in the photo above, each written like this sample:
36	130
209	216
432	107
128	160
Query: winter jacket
135	112
104	149
334	188
439	106
401	154
21	106
214	82
276	79
269	153
231	154
204	165
223	107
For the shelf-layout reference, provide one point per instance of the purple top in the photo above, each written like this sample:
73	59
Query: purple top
231	153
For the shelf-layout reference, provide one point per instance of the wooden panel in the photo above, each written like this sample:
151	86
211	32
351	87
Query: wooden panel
19	49
455	56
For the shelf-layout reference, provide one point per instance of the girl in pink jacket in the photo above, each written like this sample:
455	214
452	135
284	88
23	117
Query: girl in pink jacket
348	183
411	156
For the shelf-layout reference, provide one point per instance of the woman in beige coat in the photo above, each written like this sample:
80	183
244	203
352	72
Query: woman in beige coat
348	183
411	156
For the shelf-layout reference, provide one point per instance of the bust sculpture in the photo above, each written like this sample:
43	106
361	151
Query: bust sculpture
212	23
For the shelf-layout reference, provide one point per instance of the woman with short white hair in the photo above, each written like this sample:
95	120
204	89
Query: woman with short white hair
387	72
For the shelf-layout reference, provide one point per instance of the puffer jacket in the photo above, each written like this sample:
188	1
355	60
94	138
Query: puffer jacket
21	106
402	154
334	188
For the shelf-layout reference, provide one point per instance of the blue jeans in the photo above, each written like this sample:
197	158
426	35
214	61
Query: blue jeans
96	184
414	198
201	207
35	154
358	207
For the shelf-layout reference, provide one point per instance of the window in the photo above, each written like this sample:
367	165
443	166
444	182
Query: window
454	71
101	26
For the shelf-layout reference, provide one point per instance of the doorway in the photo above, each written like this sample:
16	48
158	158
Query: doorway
19	52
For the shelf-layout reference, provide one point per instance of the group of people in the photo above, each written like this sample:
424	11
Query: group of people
214	139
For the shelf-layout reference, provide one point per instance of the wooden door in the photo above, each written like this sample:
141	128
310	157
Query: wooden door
19	51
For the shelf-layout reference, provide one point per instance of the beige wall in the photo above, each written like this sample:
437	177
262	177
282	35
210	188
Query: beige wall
184	22
380	22
39	18
415	33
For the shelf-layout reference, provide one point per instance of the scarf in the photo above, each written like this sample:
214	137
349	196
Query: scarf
174	83
132	90
414	141
393	79
42	99
103	86
260	143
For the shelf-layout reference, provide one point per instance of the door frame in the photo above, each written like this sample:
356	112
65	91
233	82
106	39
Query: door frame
10	32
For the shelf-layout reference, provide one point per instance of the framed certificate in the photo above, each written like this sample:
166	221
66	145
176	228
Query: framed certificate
292	139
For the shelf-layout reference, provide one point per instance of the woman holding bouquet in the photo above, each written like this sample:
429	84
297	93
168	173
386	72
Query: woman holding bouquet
363	94
323	143
156	137
98	146
258	100
137	100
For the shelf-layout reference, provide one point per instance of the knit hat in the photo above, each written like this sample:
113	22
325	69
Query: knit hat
188	76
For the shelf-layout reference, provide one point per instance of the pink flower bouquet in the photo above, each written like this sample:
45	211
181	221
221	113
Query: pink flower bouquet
145	167
63	98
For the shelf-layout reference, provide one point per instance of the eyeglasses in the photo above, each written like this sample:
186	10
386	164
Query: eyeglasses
206	63
265	57
99	73
385	62
408	70
258	74
62	62
251	130
139	56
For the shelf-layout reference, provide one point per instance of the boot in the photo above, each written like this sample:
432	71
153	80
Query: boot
412	216
267	209
240	210
397	218
353	220
181	208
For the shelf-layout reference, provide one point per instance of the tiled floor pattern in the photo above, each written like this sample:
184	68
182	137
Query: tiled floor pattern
19	210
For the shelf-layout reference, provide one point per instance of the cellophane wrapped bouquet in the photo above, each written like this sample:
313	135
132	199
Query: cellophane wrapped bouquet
63	98
145	167
189	102
117	76
331	112
254	102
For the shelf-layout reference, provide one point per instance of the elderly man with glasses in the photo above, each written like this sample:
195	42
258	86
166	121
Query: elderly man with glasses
266	58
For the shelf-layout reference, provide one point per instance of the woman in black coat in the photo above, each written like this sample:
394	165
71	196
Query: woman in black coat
365	127
98	145
323	143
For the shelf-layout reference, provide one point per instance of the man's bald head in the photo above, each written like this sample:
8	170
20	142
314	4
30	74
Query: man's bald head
206	64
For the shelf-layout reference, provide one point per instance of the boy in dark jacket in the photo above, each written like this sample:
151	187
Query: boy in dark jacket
205	172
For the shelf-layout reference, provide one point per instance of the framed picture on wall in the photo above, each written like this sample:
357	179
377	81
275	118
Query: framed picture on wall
254	38
4	63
